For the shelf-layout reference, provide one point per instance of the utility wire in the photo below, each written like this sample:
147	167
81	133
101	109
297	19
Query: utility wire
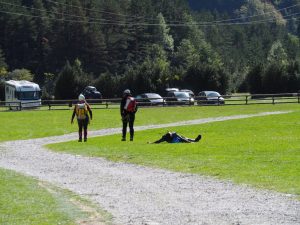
208	22
256	15
149	24
52	12
114	22
93	10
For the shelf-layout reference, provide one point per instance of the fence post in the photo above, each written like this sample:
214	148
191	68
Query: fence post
246	99
273	100
298	97
20	105
106	104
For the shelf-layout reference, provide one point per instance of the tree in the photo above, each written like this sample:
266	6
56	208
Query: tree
186	54
2	60
254	79
42	47
3	65
66	84
277	54
109	85
71	81
207	77
272	80
20	74
95	53
162	34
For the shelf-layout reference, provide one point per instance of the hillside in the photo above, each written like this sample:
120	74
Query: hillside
150	45
228	6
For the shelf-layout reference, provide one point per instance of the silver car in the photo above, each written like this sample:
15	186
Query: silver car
148	99
179	98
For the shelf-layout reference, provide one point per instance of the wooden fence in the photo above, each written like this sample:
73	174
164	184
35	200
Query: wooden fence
236	99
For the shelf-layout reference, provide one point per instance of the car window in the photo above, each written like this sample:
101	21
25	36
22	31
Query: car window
213	94
181	94
153	96
171	94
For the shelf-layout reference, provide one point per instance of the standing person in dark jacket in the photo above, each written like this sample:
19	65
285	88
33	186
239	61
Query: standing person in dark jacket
128	109
81	110
173	137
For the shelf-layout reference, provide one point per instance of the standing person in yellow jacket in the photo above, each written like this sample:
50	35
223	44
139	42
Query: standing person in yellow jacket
81	110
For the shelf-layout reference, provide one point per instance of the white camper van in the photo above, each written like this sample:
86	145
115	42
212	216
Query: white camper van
22	94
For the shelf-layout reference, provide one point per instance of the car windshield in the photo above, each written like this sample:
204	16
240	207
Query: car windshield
213	94
28	95
181	94
154	96
91	88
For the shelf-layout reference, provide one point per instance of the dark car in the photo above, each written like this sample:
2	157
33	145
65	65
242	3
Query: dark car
91	92
148	99
179	98
210	97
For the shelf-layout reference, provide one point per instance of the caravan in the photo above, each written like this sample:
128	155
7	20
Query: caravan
22	94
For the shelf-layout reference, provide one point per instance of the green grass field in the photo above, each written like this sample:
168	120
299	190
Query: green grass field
35	124
24	200
262	151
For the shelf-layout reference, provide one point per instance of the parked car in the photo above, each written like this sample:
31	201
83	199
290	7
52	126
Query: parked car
148	99
210	97
91	92
179	98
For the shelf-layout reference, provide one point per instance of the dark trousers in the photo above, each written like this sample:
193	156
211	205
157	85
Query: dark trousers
128	119
83	124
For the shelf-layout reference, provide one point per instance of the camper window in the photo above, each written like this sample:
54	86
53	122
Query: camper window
28	95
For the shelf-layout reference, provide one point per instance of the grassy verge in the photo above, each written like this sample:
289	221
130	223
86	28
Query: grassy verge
27	201
35	124
261	151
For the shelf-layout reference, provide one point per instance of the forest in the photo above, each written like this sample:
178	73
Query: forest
148	45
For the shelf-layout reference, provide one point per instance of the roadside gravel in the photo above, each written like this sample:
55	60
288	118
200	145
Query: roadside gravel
137	195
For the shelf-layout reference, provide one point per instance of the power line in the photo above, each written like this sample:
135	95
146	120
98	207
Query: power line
257	15
93	10
57	13
149	24
208	22
113	22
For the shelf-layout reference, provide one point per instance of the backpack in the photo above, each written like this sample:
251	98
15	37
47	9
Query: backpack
81	111
131	107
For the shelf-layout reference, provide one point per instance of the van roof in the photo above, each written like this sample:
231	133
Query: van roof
22	83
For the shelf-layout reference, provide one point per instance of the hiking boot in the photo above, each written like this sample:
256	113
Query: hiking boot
131	139
123	139
198	138
79	140
85	140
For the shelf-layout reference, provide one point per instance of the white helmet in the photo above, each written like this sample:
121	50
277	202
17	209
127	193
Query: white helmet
127	91
81	97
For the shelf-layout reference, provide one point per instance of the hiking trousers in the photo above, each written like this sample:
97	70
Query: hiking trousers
128	119
82	123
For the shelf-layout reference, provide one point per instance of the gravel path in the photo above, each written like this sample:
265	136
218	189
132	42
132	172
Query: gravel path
137	195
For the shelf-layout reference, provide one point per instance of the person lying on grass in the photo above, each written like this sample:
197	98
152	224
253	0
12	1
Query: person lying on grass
173	137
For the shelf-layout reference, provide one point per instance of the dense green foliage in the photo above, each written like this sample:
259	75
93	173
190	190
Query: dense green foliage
149	45
261	151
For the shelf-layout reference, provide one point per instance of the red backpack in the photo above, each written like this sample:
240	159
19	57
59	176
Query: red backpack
131	107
